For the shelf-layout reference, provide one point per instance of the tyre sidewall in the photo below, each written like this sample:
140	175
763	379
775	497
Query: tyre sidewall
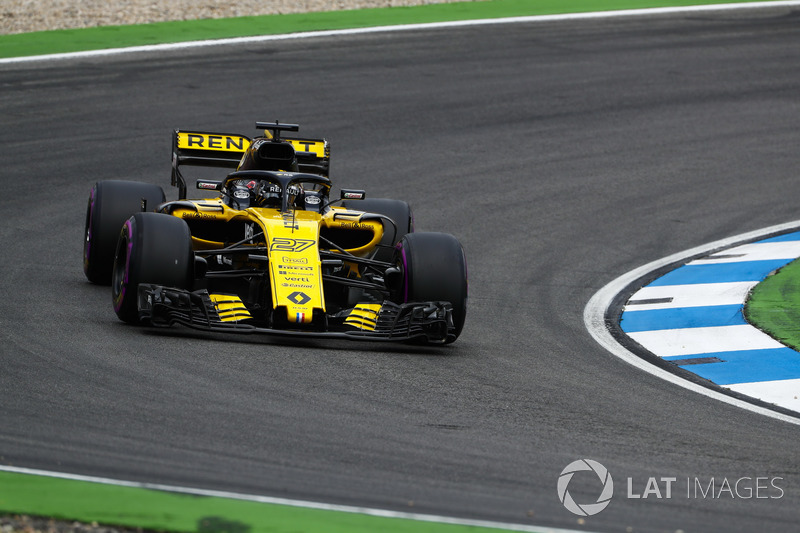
398	210
152	248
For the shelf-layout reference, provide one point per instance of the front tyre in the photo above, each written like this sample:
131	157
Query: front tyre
152	248
397	210
434	268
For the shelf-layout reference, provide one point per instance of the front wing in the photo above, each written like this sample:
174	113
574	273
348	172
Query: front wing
425	321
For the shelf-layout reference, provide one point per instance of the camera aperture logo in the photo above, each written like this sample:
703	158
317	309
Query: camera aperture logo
585	509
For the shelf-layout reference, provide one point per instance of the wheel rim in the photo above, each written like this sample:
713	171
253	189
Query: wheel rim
87	238
119	275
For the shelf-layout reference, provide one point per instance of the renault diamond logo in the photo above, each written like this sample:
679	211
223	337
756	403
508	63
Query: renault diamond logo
299	298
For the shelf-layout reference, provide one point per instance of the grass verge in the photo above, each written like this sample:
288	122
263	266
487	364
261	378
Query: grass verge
774	305
63	41
111	505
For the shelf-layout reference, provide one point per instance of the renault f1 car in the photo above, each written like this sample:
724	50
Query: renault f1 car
272	253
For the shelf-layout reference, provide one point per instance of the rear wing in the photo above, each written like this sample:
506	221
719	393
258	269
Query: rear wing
225	150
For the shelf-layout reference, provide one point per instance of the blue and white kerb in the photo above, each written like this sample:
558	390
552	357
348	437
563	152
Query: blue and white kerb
693	317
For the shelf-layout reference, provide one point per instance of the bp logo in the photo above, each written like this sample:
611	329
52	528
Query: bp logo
586	509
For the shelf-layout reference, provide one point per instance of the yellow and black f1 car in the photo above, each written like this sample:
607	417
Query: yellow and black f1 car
272	253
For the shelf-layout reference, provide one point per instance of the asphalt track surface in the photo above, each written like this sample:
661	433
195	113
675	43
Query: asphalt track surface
562	155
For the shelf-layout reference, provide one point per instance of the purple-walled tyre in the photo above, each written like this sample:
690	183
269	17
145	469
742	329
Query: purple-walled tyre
111	203
152	248
397	210
434	268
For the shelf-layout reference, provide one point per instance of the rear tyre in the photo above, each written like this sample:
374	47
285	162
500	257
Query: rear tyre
400	213
152	248
434	268
110	204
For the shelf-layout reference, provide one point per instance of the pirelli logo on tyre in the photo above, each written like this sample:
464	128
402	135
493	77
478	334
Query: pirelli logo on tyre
212	141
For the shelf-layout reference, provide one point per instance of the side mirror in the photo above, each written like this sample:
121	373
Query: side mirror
209	185
352	194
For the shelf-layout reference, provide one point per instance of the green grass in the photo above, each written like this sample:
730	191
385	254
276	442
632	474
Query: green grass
89	502
62	41
774	305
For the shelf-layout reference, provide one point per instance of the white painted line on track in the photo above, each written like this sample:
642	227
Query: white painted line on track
288	502
764	251
405	27
595	312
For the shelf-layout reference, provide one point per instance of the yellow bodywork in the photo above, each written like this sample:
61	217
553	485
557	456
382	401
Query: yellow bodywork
230	308
294	262
212	141
364	316
292	240
226	142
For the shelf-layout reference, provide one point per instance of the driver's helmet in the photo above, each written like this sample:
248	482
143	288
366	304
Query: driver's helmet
294	195
266	194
